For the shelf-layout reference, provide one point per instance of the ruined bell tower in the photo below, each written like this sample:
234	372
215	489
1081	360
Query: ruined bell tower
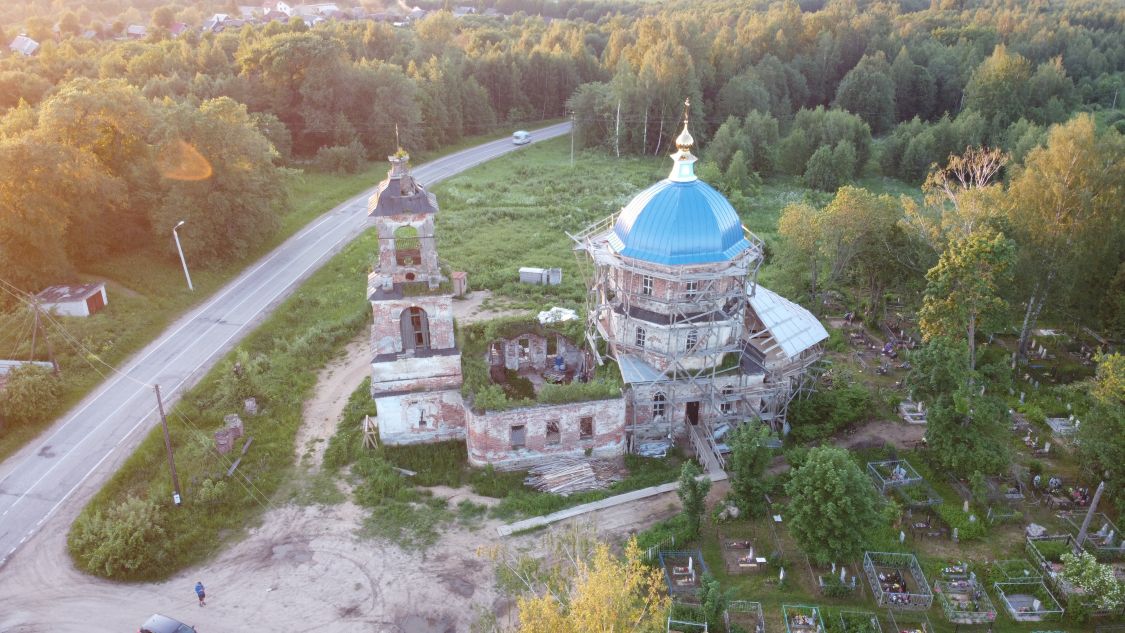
416	370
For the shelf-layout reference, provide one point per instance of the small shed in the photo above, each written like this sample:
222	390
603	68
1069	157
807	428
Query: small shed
79	301
460	283
541	276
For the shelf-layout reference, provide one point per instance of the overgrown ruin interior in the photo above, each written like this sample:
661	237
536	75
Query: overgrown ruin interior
674	310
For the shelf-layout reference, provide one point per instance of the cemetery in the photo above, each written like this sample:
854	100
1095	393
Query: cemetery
893	474
910	622
964	600
745	614
1028	600
1103	539
859	622
802	619
897	581
683	572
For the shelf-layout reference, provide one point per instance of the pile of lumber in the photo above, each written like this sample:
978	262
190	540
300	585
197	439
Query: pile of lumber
569	475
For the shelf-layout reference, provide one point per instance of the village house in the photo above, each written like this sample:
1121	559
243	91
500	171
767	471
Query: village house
675	312
24	45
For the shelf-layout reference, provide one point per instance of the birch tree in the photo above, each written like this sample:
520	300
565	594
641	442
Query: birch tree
963	293
1066	200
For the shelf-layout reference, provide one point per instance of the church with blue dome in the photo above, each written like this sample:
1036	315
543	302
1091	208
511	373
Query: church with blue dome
674	302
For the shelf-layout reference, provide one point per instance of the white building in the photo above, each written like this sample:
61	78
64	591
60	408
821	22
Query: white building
77	301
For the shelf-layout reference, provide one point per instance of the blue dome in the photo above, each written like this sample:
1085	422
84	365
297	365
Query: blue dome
676	222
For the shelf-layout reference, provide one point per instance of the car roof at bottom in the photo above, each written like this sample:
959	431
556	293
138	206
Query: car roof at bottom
164	624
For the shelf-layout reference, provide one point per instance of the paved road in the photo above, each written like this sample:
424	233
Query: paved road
70	456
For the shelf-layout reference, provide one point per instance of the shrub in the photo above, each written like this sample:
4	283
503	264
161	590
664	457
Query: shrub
668	533
828	410
30	391
346	159
956	519
122	540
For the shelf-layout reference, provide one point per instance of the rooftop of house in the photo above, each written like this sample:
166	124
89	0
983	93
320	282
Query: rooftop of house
67	293
24	45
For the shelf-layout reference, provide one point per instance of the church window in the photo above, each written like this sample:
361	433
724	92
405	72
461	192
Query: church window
658	401
585	428
641	334
519	436
692	339
415	330
646	285
726	406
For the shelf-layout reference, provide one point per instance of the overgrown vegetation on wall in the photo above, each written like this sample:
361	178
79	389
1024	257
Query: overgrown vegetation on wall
484	395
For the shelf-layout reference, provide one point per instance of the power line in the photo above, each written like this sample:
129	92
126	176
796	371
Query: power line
85	353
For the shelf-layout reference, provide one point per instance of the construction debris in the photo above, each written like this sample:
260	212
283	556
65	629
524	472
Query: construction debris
570	475
658	448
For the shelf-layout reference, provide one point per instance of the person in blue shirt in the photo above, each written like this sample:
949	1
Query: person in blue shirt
201	593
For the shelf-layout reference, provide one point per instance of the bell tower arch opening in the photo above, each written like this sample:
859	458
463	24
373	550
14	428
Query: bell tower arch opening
408	248
415	324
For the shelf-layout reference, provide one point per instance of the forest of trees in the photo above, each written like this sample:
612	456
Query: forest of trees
829	92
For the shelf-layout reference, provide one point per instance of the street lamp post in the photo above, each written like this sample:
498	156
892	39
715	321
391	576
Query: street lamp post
181	251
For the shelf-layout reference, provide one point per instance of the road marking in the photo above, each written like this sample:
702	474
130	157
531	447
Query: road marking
121	374
184	349
178	385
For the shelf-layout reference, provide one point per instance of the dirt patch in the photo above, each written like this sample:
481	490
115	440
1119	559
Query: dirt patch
334	385
876	434
471	309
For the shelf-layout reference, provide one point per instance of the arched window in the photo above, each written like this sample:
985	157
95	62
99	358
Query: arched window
415	330
408	249
727	405
658	401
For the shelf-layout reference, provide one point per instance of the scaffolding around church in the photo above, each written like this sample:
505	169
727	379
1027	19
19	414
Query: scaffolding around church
721	362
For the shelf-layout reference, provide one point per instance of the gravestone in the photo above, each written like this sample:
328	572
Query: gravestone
233	423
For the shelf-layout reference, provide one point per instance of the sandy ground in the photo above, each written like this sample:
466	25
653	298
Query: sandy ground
876	434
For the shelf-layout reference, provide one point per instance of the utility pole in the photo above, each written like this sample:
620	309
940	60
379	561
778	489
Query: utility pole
617	131
180	249
168	447
573	122
46	340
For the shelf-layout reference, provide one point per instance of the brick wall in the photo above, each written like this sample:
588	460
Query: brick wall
537	357
489	435
416	374
386	328
426	265
665	290
415	418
